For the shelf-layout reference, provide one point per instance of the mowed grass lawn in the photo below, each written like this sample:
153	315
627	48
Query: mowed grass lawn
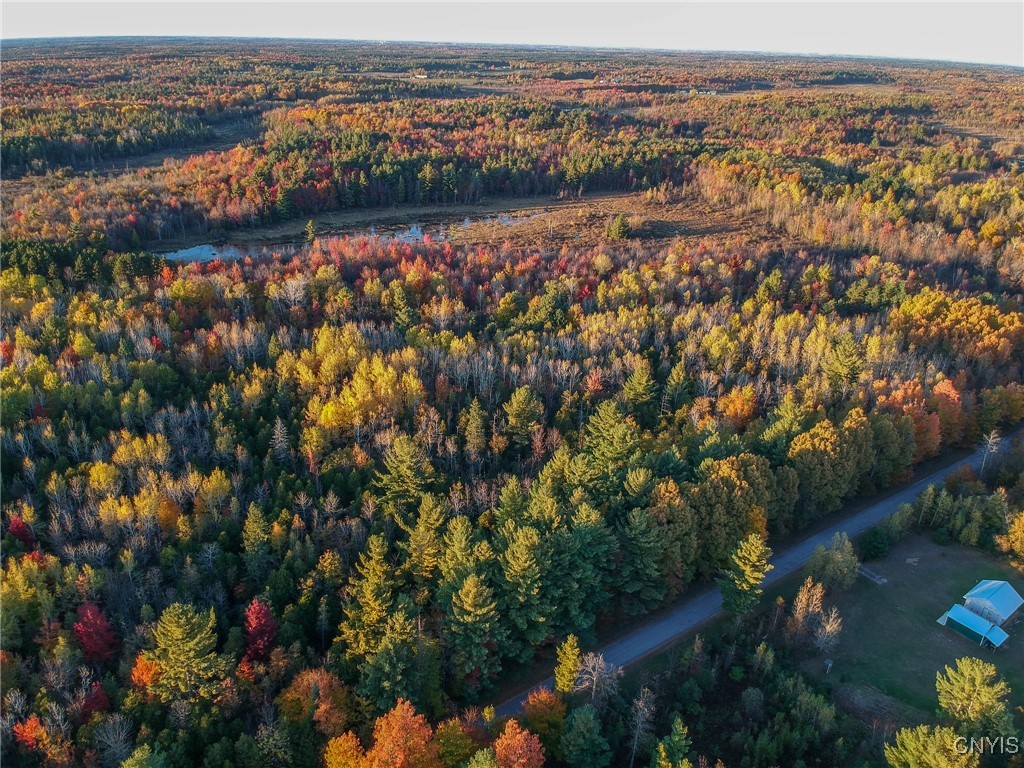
891	643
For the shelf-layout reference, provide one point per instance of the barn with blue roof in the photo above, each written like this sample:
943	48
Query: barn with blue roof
987	607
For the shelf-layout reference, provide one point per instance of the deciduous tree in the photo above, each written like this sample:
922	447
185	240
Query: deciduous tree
95	634
516	747
402	739
544	712
321	694
834	568
260	630
344	751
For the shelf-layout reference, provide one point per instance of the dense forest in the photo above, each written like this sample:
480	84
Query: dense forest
320	507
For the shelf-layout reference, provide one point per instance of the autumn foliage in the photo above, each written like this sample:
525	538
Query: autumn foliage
95	633
402	739
260	630
310	501
518	748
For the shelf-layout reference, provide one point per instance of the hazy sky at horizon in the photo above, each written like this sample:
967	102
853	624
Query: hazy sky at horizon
980	32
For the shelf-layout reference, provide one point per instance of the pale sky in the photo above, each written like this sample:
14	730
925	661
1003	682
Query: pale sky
980	32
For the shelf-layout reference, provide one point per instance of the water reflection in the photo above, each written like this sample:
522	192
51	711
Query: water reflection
414	233
209	252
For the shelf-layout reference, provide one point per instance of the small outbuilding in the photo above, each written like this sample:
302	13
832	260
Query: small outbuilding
995	601
973	627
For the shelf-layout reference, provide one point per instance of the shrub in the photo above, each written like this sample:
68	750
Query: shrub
618	228
875	544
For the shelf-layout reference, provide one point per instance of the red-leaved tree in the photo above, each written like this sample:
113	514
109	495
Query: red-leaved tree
260	630
95	634
20	530
96	700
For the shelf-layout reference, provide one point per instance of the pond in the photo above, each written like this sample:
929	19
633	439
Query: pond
413	233
209	252
233	251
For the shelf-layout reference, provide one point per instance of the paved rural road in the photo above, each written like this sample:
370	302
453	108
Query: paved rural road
690	615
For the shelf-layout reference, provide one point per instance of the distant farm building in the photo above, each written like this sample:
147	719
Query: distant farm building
986	609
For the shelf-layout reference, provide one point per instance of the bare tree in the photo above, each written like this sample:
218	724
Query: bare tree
991	444
15	705
826	633
599	678
641	716
114	739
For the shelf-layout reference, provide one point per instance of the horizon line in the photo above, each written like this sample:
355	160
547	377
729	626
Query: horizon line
521	46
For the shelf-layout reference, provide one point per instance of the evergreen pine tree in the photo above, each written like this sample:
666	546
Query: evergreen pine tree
583	744
404	315
475	634
642	585
512	502
424	545
640	392
255	544
521	600
973	695
523	412
596	548
372	603
407	474
461	555
187	664
610	437
474	431
929	747
741	581
672	751
561	586
392	669
845	364
567	667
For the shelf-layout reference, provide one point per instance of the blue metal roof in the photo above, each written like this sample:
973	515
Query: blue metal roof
975	623
999	594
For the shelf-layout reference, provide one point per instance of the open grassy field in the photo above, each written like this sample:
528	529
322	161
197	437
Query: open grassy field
892	647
